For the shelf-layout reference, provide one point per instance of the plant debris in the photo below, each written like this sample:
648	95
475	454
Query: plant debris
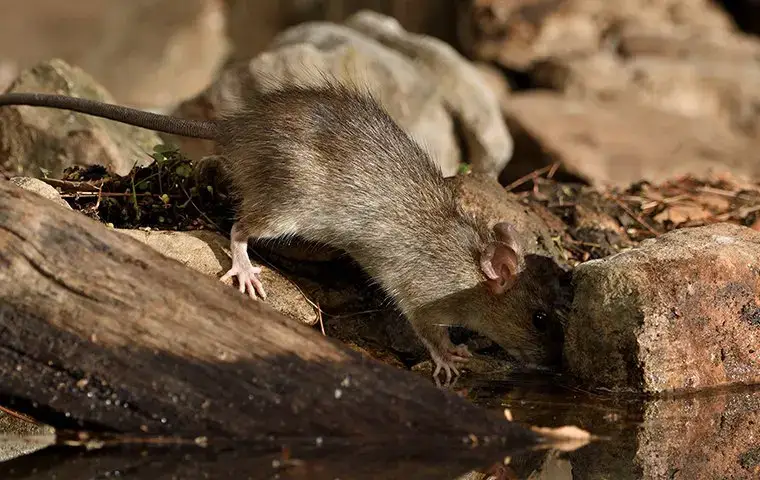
164	195
597	223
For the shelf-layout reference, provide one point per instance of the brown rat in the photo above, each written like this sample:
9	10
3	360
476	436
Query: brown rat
329	165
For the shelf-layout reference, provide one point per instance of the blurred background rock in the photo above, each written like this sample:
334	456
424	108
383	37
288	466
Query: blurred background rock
154	53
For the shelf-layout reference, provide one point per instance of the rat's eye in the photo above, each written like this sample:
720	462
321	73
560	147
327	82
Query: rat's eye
540	320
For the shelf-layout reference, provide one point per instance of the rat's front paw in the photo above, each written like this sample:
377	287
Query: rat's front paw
248	280
447	362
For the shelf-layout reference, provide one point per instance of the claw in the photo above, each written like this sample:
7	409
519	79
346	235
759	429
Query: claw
446	363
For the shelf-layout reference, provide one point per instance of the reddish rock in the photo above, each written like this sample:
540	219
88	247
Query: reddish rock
680	312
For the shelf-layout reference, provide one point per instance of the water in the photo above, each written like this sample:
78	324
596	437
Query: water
711	435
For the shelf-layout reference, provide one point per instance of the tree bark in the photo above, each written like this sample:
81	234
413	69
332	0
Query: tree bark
101	328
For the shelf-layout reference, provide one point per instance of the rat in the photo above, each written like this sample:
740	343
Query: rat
330	165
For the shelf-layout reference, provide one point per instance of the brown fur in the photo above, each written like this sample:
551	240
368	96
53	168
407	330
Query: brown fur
328	164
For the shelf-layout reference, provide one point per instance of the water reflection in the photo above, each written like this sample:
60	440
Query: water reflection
706	435
712	434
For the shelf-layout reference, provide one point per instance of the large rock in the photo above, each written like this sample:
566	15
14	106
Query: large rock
462	89
398	67
684	72
678	312
206	252
35	138
617	143
148	53
515	33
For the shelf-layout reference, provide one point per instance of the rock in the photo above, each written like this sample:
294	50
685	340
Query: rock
678	312
21	436
149	54
206	252
401	80
41	188
294	57
617	143
710	77
515	33
35	138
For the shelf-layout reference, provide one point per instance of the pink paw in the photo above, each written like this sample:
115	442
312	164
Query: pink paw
248	280
447	362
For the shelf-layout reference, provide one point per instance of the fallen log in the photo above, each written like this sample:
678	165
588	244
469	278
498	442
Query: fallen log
99	328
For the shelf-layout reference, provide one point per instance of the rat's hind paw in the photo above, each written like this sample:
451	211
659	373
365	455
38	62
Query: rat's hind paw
248	280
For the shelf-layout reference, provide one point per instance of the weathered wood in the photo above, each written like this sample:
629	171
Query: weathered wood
103	328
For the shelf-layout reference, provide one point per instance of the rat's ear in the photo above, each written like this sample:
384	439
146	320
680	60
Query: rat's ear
500	259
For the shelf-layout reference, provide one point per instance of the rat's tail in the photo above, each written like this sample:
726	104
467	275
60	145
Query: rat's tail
152	121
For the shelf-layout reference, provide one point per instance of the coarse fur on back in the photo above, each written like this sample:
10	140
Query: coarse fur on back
328	163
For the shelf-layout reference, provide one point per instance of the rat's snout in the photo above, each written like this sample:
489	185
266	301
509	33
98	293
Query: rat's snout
539	345
549	327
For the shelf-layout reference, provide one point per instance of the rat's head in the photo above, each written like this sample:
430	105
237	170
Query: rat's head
527	319
518	302
521	303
